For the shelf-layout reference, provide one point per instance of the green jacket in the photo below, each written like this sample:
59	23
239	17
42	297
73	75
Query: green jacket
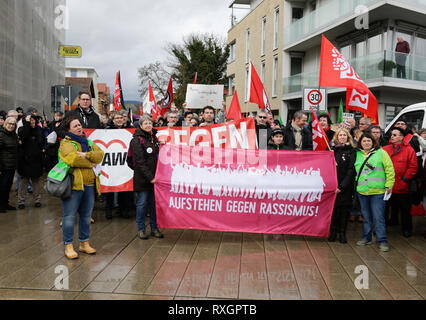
375	182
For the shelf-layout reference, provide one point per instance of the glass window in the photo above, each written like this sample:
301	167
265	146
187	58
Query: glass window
275	79
420	48
297	14
263	71
232	51
276	27
263	36
413	119
346	52
232	85
375	44
248	46
247	83
406	36
360	49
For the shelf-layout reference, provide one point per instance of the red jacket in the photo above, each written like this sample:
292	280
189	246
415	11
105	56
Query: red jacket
405	164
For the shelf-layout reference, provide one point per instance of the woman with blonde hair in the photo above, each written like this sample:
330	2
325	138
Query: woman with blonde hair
82	156
345	155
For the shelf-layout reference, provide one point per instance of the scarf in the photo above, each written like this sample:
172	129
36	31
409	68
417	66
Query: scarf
297	135
81	140
84	114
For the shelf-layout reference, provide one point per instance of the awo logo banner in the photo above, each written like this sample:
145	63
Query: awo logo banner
255	191
116	176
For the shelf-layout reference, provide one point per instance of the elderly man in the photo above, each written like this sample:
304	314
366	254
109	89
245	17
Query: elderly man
405	164
296	135
402	50
364	124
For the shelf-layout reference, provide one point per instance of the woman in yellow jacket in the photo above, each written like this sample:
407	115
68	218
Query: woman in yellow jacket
375	179
83	156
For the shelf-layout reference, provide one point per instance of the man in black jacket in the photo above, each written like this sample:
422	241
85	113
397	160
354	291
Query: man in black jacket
296	136
263	129
88	117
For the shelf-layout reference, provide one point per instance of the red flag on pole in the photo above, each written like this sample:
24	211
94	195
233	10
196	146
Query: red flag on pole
168	100
155	111
335	71
117	94
319	137
257	93
140	109
195	78
234	111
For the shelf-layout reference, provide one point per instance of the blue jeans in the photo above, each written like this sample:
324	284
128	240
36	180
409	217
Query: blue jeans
146	200
373	210
83	203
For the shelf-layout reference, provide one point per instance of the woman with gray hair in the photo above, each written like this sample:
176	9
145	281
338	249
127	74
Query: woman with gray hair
145	148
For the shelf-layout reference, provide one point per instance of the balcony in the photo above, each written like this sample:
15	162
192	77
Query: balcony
377	66
338	11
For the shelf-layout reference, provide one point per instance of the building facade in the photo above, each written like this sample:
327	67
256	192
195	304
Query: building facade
86	73
366	33
30	64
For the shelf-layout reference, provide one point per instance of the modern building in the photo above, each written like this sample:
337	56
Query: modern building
104	98
365	32
30	63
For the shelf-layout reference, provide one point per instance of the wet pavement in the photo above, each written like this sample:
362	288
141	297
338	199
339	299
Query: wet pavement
192	264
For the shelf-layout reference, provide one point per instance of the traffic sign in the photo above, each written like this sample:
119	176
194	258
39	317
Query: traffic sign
315	98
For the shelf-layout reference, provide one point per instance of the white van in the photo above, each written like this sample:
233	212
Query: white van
414	115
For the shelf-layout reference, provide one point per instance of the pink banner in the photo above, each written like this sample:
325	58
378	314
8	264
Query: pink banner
255	191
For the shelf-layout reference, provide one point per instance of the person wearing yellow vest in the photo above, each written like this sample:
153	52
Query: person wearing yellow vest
375	178
82	156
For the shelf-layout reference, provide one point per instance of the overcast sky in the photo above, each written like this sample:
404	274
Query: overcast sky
125	35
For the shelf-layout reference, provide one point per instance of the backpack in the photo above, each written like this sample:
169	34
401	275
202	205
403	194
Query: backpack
131	162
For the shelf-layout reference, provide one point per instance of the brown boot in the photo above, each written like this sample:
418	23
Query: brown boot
86	248
70	252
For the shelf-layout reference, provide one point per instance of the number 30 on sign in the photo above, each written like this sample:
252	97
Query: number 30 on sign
315	98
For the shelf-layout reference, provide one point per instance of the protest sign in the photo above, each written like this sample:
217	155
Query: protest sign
255	191
199	96
116	176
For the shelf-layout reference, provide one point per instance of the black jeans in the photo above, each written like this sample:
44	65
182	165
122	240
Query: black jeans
401	72
401	203
6	182
340	218
125	201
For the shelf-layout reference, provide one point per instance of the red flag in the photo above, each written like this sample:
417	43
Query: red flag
154	107
335	71
117	93
195	78
140	109
168	100
234	111
257	92
319	137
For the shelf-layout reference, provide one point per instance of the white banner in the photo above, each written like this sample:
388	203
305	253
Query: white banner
199	96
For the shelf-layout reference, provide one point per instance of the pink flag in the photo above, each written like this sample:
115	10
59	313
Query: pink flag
255	191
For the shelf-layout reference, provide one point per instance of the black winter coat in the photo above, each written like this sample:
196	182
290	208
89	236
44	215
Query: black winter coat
8	150
88	120
290	141
273	146
31	157
345	157
146	158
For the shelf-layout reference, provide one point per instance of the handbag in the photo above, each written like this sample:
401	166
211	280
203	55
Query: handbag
61	189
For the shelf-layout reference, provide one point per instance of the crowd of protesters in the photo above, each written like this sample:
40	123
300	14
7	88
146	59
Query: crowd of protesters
369	166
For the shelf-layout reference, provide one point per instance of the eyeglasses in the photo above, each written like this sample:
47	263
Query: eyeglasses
85	99
263	117
396	135
11	124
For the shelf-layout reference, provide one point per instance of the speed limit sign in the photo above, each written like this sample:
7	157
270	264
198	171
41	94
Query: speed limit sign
315	98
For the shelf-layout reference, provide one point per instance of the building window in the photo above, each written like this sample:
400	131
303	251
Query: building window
374	44
297	13
296	65
232	85
247	84
276	27
248	46
263	71
73	73
263	36
232	51
275	77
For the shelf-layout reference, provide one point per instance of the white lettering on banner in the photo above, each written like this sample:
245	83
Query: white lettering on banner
358	99
238	135
288	184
